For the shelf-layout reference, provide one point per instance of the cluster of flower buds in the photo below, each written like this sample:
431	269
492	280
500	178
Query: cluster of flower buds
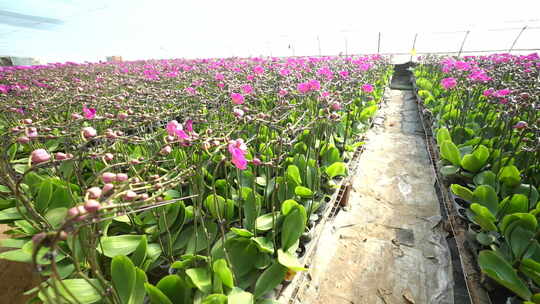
88	132
110	134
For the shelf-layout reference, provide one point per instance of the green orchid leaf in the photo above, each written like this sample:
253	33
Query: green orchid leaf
239	296
443	135
201	278
510	176
303	192
449	170
290	261
243	254
156	296
293	226
224	272
75	290
293	173
123	277
486	196
450	152
269	279
486	178
471	163
175	288
119	244
483	217
140	253
497	268
337	169
215	299
462	192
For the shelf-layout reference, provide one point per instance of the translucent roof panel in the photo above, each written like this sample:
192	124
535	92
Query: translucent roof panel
79	30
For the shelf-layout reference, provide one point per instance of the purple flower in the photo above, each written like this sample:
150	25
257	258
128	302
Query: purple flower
325	71
502	93
4	88
314	85
219	77
190	91
462	65
479	75
258	70
247	89
367	88
489	92
303	87
448	82
189	125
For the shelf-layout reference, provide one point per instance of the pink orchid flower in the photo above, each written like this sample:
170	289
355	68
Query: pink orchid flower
238	150
219	77
189	126
247	89
237	98
488	92
344	74
89	113
175	129
258	70
448	83
190	91
314	85
502	93
367	88
303	87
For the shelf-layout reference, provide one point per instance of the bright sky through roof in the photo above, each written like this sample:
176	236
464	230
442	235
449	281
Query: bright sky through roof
139	29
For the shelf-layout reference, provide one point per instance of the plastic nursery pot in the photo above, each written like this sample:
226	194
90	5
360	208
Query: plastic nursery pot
460	205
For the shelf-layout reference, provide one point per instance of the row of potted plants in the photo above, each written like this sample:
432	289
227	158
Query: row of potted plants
175	181
486	119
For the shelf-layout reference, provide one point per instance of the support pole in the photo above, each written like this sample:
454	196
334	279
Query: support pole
319	44
515	40
414	45
463	42
379	44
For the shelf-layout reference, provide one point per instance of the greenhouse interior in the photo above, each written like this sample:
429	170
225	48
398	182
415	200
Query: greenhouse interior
235	152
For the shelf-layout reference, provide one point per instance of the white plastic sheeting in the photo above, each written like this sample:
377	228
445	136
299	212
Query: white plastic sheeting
78	30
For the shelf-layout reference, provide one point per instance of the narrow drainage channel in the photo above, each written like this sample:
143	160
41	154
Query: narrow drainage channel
389	245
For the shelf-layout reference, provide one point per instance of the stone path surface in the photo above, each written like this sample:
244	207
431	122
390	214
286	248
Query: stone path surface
388	246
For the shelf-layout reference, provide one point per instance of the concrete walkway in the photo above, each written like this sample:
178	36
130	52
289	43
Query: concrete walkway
388	247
